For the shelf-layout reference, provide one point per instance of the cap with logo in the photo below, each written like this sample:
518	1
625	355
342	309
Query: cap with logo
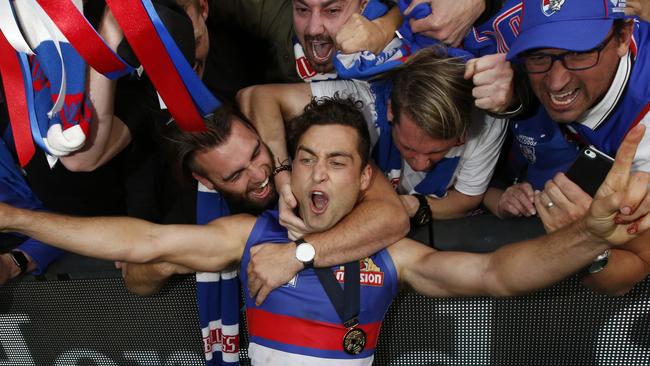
575	25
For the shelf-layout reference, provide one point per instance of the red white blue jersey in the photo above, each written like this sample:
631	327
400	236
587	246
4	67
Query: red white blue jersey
298	325
497	34
217	294
542	146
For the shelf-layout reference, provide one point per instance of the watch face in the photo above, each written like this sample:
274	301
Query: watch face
598	265
305	252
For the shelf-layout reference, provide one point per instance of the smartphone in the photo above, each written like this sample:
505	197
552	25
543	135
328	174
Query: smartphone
590	169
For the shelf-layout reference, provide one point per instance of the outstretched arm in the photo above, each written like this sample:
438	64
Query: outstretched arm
211	247
617	215
511	270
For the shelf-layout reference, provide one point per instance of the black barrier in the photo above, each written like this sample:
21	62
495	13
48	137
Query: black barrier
80	314
96	322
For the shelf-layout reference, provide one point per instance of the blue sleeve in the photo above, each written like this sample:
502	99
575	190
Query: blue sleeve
15	191
42	254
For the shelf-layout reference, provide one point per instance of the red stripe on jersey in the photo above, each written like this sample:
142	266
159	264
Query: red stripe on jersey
640	116
303	332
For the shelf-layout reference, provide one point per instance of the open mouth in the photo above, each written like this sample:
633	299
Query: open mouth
564	99
319	201
263	189
321	50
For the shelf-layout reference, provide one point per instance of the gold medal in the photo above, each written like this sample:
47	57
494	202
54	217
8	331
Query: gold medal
354	341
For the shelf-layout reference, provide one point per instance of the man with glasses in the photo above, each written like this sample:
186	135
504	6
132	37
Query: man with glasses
588	68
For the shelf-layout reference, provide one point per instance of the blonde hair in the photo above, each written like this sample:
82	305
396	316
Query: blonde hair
431	89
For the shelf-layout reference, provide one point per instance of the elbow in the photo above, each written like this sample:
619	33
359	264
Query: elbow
139	288
610	289
78	165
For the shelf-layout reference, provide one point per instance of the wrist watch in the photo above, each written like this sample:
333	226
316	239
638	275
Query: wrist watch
20	260
599	263
423	214
305	253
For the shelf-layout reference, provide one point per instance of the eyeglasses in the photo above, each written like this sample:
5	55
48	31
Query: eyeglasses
540	62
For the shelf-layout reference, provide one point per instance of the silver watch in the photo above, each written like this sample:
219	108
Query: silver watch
305	253
599	263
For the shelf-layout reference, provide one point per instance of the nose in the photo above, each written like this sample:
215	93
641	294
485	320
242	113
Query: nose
557	77
320	172
419	162
315	26
257	173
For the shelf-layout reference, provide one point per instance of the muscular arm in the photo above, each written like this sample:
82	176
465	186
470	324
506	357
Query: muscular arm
511	270
269	106
627	266
211	247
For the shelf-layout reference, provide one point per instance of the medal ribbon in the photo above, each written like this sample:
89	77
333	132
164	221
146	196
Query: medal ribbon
135	21
16	96
84	38
347	301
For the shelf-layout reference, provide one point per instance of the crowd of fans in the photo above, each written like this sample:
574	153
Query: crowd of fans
351	121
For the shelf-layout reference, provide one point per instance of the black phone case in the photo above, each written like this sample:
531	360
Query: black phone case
590	169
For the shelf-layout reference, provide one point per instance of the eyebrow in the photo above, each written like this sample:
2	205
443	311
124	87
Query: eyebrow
255	151
333	154
324	5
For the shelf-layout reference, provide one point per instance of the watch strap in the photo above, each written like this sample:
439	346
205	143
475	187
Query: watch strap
20	260
309	264
423	214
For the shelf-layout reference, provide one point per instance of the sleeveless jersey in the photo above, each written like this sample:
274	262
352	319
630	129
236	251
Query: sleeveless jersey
297	324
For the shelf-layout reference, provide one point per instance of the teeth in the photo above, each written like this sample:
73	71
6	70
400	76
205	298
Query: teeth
318	193
266	181
318	46
564	98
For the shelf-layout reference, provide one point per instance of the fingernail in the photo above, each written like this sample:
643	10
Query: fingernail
533	213
626	210
632	229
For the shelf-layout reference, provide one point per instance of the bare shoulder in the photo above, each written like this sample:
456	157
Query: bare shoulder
406	253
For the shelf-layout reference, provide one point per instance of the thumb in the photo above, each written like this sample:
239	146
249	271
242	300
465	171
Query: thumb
288	197
470	69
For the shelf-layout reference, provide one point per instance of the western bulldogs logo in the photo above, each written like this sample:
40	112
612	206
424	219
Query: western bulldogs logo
549	7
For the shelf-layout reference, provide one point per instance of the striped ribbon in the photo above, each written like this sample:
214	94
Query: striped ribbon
16	96
84	38
137	21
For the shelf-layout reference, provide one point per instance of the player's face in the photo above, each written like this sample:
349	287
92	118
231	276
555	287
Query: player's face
240	168
419	150
327	176
316	23
567	94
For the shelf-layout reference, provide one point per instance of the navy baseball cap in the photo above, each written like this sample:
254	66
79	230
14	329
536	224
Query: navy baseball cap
575	25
